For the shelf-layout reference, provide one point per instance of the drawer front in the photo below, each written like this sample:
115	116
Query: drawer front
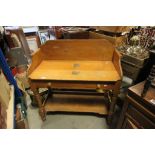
82	86
142	120
74	85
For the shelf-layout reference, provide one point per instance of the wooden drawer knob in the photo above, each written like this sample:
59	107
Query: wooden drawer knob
49	84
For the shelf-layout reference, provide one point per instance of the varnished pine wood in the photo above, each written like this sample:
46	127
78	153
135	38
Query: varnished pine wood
116	41
76	64
76	103
72	85
117	62
93	35
78	49
37	57
76	70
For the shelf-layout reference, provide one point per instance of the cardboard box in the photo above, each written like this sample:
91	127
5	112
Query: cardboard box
4	90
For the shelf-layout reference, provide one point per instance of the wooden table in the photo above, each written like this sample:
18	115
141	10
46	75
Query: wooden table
69	68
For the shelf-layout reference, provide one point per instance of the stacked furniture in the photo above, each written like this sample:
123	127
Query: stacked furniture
138	112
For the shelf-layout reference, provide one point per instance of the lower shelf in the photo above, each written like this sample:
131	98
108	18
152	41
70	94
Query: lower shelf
76	103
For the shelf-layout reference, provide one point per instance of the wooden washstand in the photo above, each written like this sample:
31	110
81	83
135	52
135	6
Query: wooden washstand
80	74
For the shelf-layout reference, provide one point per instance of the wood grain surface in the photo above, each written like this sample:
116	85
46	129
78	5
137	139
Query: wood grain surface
76	70
76	103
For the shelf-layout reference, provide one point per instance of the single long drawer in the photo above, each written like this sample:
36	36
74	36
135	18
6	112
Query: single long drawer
73	85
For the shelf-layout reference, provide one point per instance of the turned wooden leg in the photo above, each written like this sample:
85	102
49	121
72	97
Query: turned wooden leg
42	112
113	102
122	115
111	109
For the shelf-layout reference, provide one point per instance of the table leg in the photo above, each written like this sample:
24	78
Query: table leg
122	115
111	110
113	102
42	112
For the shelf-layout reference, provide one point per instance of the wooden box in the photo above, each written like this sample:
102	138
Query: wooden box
130	70
132	66
137	62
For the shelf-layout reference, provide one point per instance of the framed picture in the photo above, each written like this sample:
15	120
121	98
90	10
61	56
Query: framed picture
45	35
33	42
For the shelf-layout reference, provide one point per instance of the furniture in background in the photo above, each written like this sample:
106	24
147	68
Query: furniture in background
75	32
113	29
13	43
132	67
115	34
71	68
138	112
32	37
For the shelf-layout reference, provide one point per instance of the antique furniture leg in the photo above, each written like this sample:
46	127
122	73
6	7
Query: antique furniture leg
121	118
42	112
113	101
